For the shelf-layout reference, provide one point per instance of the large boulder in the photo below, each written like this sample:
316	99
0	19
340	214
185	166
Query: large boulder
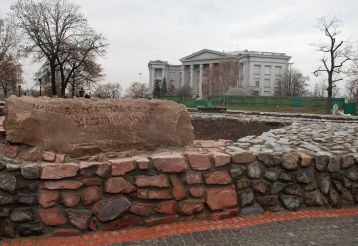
85	126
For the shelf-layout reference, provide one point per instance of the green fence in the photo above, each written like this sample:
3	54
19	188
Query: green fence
274	101
189	102
307	102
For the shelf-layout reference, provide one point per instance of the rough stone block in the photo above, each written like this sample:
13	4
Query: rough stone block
241	156
142	209
169	163
152	181
8	182
118	185
290	161
92	181
59	170
142	163
32	154
254	170
11	151
168	207
31	171
90	195
193	178
49	156
220	159
52	216
70	199
122	166
191	206
218	177
153	194
101	169
347	161
79	218
110	208
268	160
93	126
199	161
48	199
22	215
179	192
197	191
221	198
61	185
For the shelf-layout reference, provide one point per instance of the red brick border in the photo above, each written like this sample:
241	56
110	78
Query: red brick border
137	234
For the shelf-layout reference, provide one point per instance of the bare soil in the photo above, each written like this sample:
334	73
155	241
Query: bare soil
231	129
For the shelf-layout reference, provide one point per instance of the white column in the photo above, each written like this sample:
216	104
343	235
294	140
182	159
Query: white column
211	65
191	75
151	77
201	82
182	75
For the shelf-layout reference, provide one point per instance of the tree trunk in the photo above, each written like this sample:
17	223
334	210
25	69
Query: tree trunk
329	95
53	78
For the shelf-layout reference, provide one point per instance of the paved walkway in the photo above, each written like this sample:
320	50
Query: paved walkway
313	227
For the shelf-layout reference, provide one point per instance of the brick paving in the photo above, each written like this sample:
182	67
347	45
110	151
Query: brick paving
311	227
322	231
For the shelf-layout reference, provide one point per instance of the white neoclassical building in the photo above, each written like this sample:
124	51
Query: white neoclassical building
259	72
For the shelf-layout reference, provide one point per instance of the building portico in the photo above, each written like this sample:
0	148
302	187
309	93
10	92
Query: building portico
259	72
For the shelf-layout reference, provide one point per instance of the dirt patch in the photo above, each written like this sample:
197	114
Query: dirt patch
232	129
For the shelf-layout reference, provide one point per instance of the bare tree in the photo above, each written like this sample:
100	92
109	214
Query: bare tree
86	76
9	40
10	69
293	83
335	54
79	56
352	83
221	77
58	33
10	77
137	90
109	90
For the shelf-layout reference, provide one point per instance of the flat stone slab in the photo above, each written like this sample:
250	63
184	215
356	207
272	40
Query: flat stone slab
86	126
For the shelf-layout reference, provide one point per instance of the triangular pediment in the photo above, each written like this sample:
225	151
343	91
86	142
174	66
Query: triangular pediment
205	55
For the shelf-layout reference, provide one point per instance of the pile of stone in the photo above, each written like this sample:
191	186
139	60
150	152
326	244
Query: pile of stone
330	138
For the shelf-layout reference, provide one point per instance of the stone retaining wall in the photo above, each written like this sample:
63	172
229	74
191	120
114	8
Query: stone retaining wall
70	198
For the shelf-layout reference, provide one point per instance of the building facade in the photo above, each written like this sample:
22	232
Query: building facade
260	73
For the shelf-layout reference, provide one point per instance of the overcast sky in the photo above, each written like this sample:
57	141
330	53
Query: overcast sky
143	30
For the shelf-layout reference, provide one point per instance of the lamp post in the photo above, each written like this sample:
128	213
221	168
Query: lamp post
19	90
140	77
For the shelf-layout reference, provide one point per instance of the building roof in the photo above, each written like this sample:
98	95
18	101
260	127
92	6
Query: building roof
198	53
213	54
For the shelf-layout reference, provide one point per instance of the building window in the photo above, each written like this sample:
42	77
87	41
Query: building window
267	83
257	82
278	70
257	69
255	93
267	70
277	82
157	72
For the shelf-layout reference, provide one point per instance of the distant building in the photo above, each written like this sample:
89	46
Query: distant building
260	72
